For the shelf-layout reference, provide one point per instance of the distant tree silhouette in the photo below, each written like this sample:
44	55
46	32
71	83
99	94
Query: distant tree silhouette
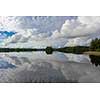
49	50
76	49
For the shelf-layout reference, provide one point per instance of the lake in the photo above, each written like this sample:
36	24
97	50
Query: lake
38	67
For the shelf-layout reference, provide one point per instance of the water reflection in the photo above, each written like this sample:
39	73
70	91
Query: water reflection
95	60
40	67
5	65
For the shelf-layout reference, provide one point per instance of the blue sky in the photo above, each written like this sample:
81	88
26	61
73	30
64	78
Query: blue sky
41	31
5	34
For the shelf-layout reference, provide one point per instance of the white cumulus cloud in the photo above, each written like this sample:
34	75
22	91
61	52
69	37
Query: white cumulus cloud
81	30
55	31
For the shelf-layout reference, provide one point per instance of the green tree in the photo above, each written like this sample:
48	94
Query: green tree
95	45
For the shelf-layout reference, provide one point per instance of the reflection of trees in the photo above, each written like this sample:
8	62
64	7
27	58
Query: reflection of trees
95	60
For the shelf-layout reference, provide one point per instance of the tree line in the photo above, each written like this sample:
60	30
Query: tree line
76	49
94	46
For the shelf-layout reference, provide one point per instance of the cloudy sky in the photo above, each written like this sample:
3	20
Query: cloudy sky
42	31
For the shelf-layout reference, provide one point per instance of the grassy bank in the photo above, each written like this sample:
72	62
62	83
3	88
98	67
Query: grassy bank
92	53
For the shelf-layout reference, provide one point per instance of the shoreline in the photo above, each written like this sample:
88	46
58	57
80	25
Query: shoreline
96	53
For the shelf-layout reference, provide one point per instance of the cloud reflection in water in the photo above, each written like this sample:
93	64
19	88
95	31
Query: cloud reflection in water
39	67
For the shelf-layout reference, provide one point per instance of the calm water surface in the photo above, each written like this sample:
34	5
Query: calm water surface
39	67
